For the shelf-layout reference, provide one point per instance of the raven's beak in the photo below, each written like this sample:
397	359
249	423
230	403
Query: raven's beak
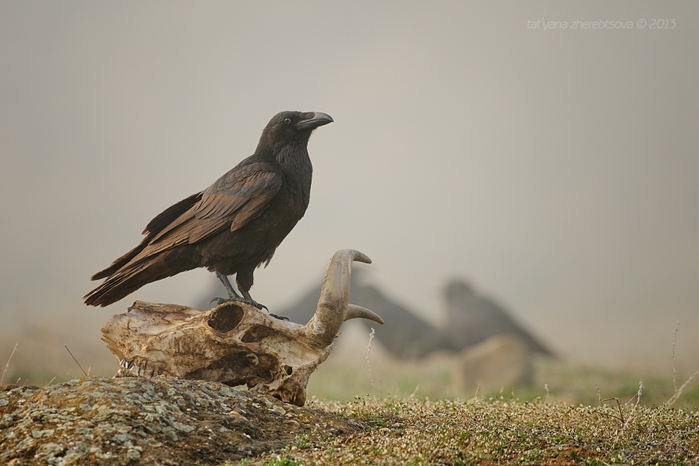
318	119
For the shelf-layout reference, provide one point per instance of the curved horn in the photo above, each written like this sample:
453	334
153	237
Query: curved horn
356	312
333	306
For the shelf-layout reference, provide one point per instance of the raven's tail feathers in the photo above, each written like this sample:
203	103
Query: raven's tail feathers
121	261
124	282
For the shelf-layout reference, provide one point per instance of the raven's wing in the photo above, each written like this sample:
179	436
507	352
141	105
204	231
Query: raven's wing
235	199
166	217
154	227
231	202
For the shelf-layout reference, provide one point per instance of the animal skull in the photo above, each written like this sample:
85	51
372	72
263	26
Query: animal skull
235	343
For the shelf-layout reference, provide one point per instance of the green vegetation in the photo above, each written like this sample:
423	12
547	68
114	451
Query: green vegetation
499	431
282	461
419	414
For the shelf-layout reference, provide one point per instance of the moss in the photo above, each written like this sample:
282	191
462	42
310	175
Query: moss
161	420
172	421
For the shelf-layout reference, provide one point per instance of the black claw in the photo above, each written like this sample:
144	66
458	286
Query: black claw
260	306
236	299
218	300
256	304
278	317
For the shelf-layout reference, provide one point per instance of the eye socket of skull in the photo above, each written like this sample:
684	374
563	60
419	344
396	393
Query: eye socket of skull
226	318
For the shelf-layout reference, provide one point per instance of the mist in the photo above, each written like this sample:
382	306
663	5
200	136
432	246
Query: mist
554	168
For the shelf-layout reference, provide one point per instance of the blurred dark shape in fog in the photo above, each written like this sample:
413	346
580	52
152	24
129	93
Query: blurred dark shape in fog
404	334
472	319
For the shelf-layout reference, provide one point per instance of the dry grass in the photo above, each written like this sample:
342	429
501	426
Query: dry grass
418	413
568	415
498	431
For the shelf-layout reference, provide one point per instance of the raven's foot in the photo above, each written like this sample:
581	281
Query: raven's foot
237	299
219	301
251	302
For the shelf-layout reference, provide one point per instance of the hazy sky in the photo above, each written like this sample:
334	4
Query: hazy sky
554	168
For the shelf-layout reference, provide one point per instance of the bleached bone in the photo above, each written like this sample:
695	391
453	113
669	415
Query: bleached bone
235	343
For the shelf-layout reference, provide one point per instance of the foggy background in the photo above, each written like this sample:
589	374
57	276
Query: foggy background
554	169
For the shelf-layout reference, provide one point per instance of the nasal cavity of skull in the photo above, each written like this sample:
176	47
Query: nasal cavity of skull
257	333
226	318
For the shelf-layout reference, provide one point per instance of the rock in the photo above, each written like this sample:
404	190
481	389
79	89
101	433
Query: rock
500	361
159	420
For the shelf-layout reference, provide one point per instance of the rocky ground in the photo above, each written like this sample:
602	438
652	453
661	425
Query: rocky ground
160	421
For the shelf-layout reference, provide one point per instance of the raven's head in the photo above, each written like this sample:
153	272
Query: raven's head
292	127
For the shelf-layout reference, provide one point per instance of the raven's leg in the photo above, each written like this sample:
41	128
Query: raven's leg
244	280
232	295
229	288
244	284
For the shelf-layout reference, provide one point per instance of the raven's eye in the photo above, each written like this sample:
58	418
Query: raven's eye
287	120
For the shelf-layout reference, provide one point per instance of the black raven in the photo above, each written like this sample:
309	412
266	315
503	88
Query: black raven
231	227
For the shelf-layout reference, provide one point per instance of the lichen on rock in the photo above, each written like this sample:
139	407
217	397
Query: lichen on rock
160	420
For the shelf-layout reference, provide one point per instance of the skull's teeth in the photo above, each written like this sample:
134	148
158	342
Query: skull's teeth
126	364
139	370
